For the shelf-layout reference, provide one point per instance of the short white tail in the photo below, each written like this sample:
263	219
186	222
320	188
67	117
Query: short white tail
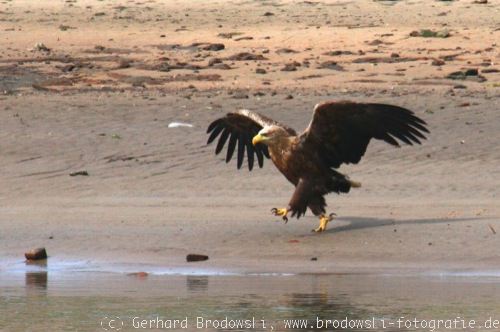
355	184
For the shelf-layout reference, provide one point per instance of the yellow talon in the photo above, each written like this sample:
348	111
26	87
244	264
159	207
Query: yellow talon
280	213
323	221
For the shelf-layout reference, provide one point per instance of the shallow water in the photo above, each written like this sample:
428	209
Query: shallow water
77	297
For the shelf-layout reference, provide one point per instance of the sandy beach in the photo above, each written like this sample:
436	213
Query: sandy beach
92	86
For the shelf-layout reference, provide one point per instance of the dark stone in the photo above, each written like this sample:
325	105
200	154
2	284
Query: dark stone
330	65
285	51
437	62
214	61
471	72
245	56
212	47
82	173
196	258
36	254
289	67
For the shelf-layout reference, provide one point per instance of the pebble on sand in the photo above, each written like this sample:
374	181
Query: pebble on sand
81	173
196	258
36	254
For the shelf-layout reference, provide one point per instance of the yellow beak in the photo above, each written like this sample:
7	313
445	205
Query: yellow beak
257	139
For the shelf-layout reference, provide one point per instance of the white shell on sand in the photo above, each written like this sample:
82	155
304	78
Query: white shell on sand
179	124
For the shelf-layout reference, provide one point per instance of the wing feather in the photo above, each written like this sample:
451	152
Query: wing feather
222	140
241	151
230	148
216	131
341	131
250	155
240	127
260	157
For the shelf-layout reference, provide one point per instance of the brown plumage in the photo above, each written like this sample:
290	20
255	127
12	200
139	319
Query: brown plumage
339	133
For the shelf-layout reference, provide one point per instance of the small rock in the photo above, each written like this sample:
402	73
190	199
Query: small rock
285	51
268	14
41	47
289	97
289	67
213	47
196	258
223	66
239	95
123	63
228	35
260	71
63	27
374	42
82	173
314	258
489	70
36	254
426	33
244	38
437	62
336	53
330	65
214	61
471	72
245	56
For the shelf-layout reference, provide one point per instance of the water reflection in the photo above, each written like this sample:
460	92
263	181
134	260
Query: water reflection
197	283
86	298
36	279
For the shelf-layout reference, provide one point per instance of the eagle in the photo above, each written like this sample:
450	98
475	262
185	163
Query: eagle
338	133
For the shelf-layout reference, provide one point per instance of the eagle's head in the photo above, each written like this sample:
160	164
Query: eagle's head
270	135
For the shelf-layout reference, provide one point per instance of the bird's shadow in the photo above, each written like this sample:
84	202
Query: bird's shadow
356	223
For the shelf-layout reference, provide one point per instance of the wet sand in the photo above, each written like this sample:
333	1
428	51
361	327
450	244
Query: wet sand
100	95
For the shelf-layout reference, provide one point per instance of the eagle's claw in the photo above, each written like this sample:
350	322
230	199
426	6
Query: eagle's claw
323	221
280	213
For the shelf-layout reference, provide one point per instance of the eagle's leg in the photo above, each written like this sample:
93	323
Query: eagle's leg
323	221
281	213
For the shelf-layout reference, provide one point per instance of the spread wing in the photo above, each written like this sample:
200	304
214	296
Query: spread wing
340	131
239	128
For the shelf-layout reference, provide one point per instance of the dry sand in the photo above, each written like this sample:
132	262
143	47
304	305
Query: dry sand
98	96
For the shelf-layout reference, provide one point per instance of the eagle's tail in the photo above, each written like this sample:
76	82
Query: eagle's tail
355	184
341	183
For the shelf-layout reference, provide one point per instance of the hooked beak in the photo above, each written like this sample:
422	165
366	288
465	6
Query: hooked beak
257	139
